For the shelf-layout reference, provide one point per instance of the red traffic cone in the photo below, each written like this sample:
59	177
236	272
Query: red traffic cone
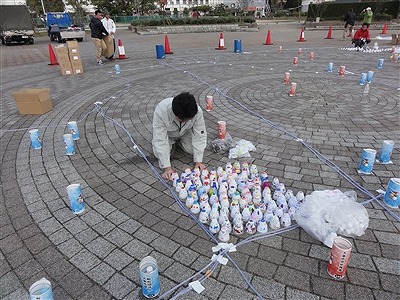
166	43
301	39
268	39
53	59
221	43
121	51
329	36
384	29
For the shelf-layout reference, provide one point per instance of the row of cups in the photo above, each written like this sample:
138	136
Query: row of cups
69	138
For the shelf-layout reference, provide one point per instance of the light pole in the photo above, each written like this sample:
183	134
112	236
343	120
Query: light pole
44	11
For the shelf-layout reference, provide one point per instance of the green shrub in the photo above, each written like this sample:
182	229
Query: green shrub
193	21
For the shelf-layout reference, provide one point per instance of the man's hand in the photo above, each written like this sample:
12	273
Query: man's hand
199	165
168	171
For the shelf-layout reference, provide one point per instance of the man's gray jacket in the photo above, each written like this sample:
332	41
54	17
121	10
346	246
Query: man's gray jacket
167	129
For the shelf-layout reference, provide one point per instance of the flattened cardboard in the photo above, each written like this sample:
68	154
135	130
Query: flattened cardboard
108	39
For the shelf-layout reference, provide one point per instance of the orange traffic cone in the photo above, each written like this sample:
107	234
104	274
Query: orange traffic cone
221	43
268	40
329	36
301	39
384	29
53	59
121	51
166	43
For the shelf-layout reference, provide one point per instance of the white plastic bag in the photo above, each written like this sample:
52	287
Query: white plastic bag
325	214
242	149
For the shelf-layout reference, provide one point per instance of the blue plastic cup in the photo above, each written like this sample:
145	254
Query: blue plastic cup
363	78
69	144
330	67
386	152
392	197
367	161
73	129
35	139
77	203
380	63
41	290
117	69
237	46
160	51
370	76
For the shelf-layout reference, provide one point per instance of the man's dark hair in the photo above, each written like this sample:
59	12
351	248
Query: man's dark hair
366	24
184	106
97	11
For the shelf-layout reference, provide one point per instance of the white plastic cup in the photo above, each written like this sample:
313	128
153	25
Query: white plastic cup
35	139
77	203
73	129
41	290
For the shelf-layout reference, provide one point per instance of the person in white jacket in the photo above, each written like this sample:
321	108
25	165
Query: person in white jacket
178	119
109	25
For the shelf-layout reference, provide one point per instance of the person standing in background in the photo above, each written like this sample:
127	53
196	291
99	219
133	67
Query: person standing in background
109	25
350	20
97	31
367	13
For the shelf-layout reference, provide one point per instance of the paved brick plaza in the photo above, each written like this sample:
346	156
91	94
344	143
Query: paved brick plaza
129	214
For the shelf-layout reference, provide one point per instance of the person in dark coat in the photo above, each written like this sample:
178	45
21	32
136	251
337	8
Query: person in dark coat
349	23
97	32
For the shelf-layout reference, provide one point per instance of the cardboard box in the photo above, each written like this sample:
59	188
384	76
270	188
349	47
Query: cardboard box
108	39
77	67
35	101
67	71
73	47
62	54
65	64
78	71
74	57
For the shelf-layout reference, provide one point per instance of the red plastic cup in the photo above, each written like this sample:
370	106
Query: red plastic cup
311	55
340	256
209	103
221	130
341	70
286	78
295	60
292	91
